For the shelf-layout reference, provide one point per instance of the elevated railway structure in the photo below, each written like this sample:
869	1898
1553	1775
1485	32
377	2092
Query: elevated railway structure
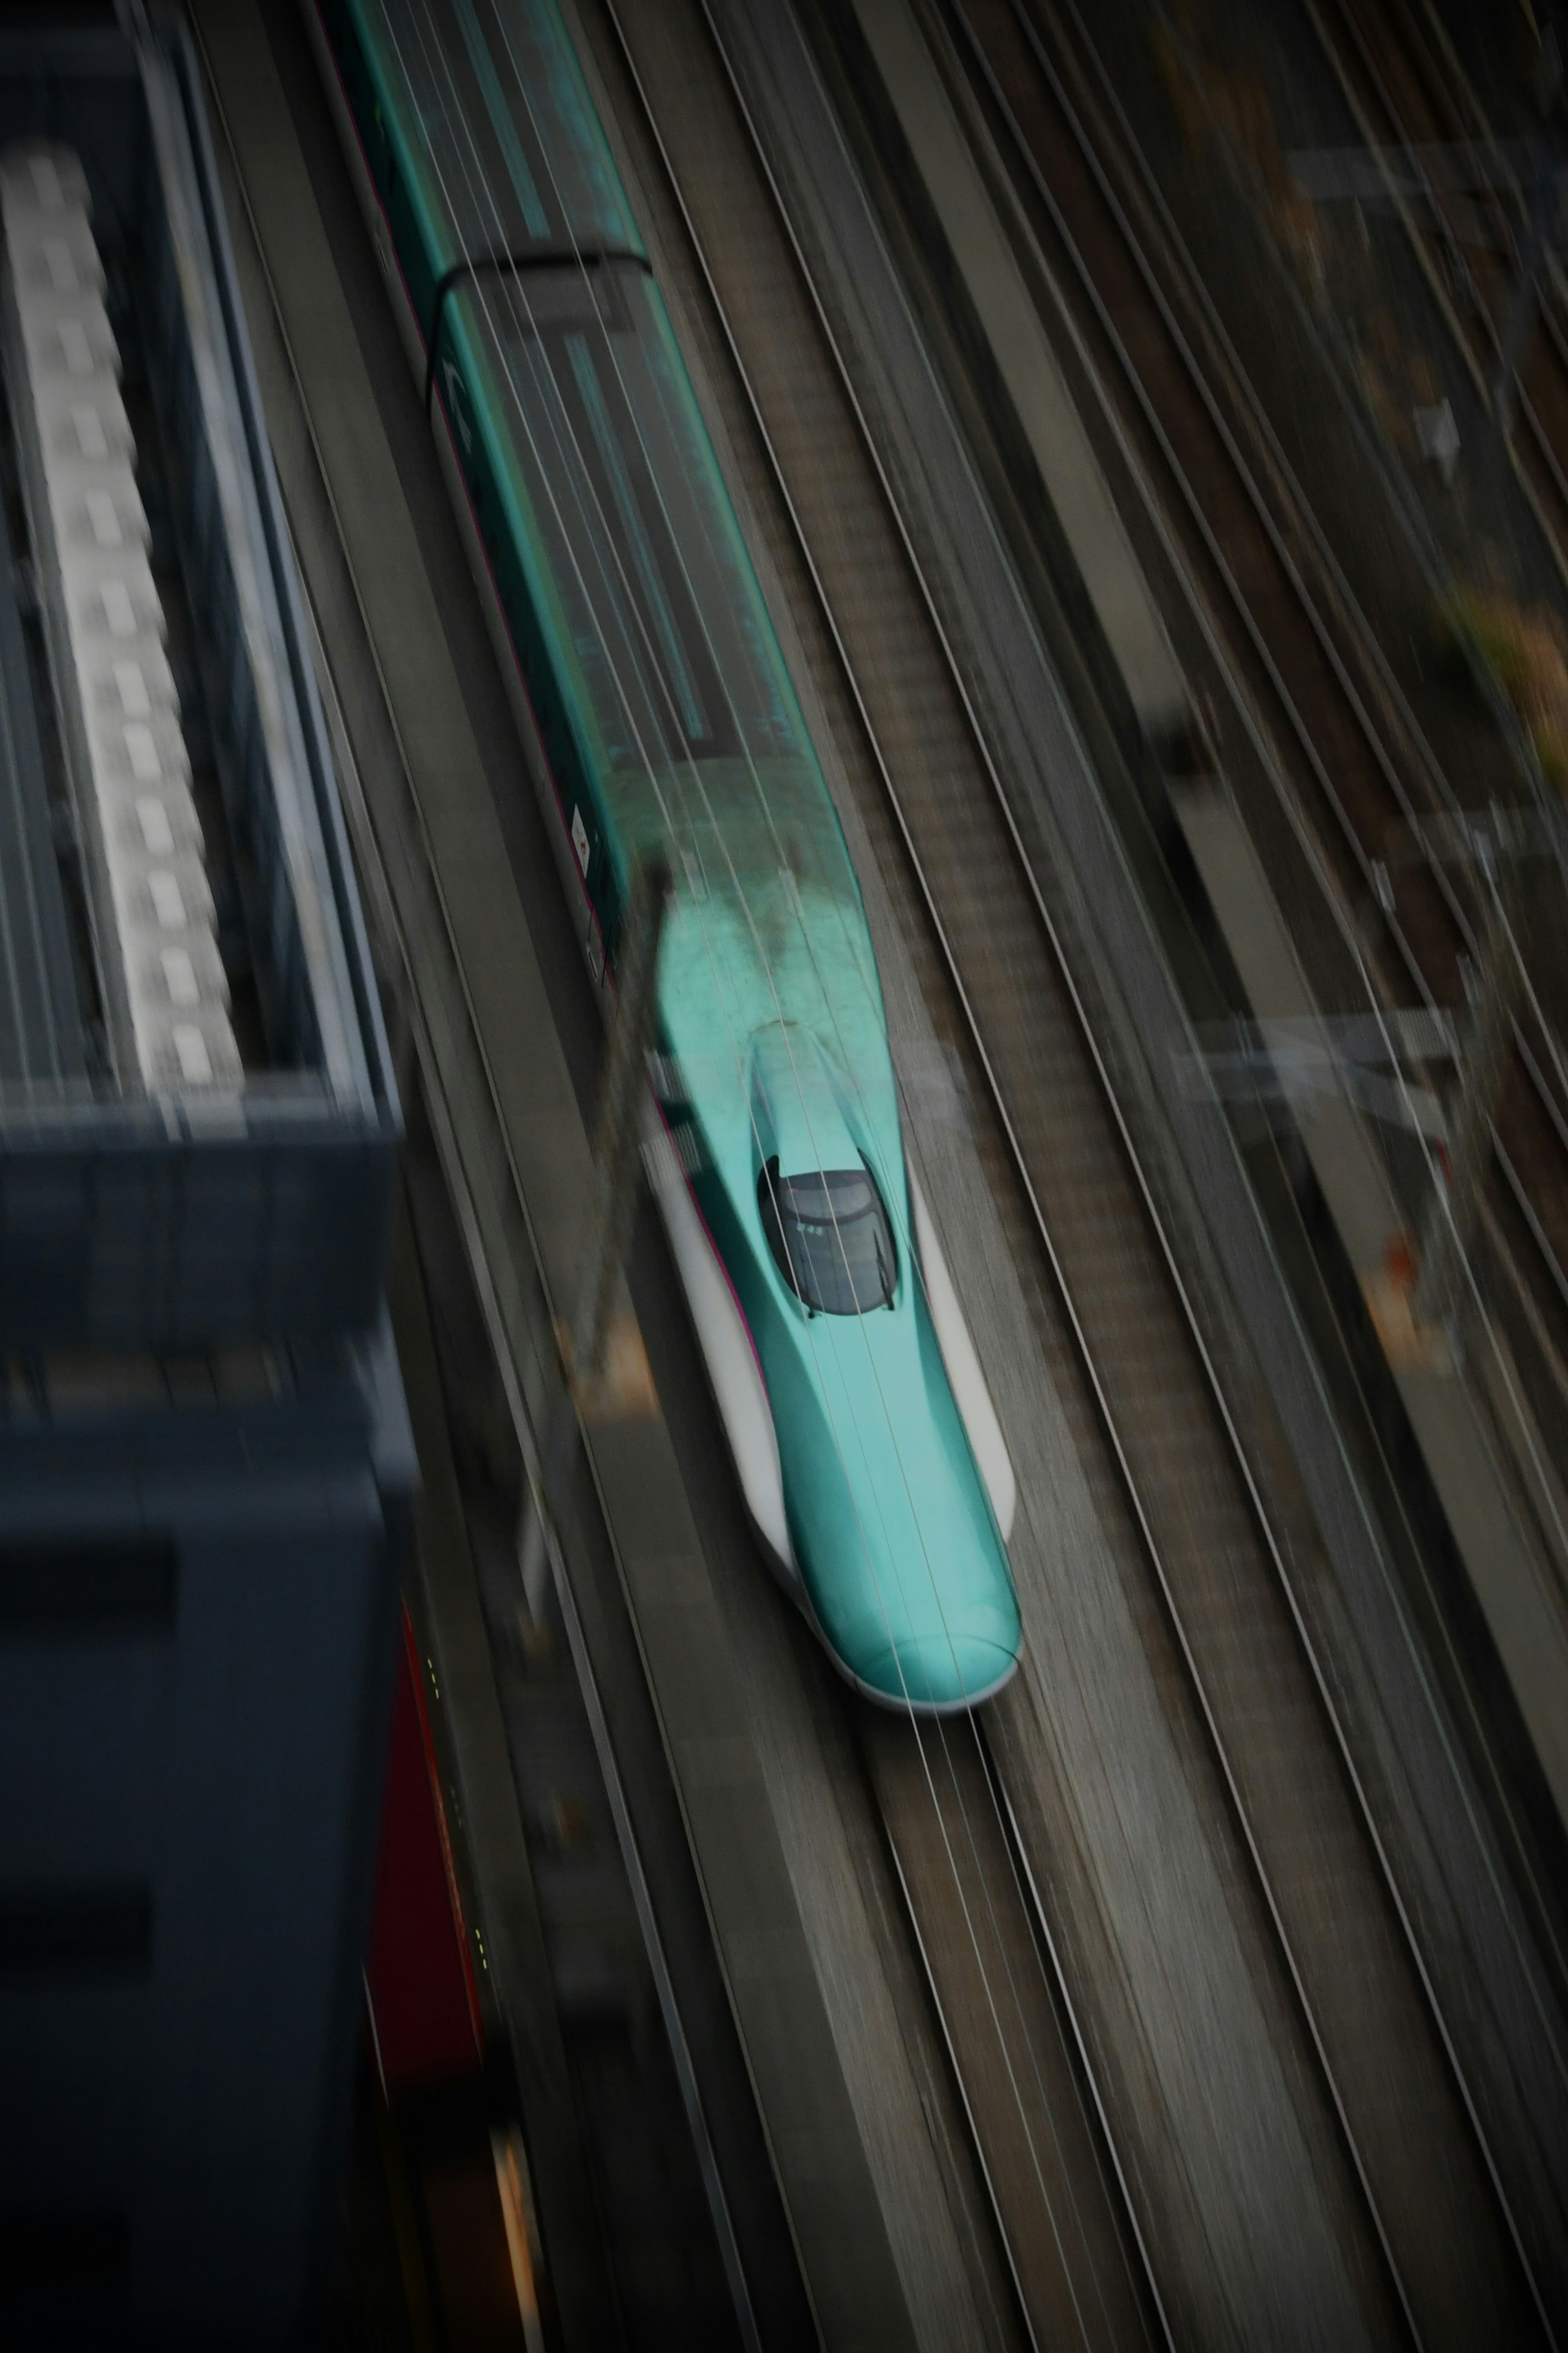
1107	2016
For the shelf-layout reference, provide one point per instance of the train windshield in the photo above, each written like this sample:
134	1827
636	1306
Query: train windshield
830	1233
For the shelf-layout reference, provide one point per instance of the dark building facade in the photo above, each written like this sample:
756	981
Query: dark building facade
198	1577
206	1469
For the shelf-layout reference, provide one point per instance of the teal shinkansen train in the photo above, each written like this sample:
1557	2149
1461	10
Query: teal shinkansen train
643	661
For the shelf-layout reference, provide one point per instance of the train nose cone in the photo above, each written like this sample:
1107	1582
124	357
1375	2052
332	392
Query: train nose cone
940	1671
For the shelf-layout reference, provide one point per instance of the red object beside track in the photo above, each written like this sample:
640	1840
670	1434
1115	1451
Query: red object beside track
419	1976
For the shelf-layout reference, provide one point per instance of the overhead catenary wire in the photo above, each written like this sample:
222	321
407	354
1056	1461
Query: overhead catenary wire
577	477
1342	921
911	1259
1389	684
1306	843
1260	1517
1001	2031
1163	529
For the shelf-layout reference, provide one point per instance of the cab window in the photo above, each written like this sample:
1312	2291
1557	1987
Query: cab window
830	1238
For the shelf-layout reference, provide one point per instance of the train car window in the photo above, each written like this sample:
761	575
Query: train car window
502	121
646	575
513	140
830	1238
629	525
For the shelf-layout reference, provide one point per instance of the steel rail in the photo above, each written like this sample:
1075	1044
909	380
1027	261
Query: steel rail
1047	1943
1164	530
1360	643
1482	360
1090	1366
1547	1340
1330	1712
1365	642
1042	1942
1091	1369
830	622
950	2043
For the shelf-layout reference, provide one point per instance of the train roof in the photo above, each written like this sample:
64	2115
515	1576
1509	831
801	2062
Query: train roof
508	141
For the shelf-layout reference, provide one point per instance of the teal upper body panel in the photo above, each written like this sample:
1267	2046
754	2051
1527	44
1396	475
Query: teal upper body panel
479	133
670	724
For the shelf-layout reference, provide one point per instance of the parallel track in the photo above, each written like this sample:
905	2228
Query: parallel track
1331	760
1344	747
1434	2242
1406	95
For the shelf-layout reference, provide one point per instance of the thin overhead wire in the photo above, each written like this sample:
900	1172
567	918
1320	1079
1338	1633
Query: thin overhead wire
512	292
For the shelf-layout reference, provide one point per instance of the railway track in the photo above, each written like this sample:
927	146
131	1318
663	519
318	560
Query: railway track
1065	2225
1336	740
1275	637
1424	2238
1404	86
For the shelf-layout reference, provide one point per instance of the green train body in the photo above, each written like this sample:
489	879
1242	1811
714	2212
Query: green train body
620	586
